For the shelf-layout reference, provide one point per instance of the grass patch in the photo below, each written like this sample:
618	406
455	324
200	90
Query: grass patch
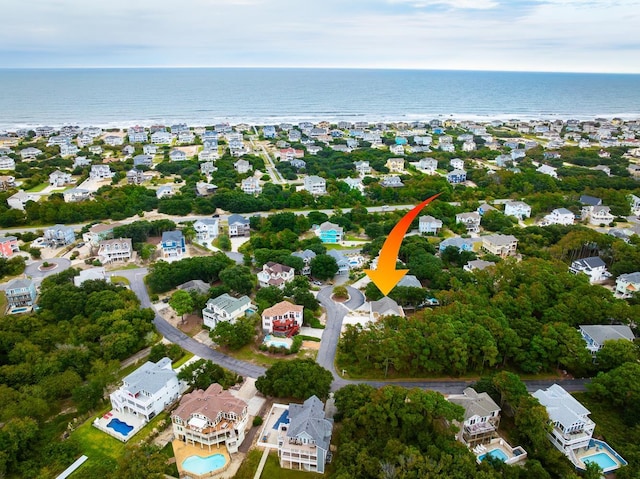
120	279
38	188
249	466
129	266
97	445
3	303
341	247
182	360
272	469
309	338
248	353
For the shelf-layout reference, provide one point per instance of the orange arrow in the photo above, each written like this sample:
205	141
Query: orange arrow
387	276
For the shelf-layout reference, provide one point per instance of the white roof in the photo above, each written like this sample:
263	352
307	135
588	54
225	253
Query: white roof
562	408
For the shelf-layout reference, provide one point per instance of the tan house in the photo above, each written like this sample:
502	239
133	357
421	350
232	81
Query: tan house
283	318
500	245
395	165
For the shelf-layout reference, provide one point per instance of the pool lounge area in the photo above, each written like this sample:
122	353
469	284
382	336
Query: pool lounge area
268	436
120	425
194	461
500	449
270	340
602	454
20	310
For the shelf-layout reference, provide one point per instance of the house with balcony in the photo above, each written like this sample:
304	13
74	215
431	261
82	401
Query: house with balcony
275	274
7	163
207	230
208	168
20	293
161	137
303	441
60	179
30	153
559	216
7	182
329	232
429	225
462	244
148	390
597	215
173	245
149	150
427	165
470	220
392	181
363	167
143	160
136	177
100	172
224	308
59	235
251	186
112	250
519	209
548	170
177	155
457	164
238	226
74	195
8	246
395	165
164	191
500	245
593	267
457	176
481	417
572	427
306	256
355	184
595	335
628	284
282	319
211	417
315	185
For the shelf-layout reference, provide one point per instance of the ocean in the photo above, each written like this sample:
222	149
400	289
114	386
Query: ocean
125	97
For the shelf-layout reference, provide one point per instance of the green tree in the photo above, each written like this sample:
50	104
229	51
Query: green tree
224	243
238	278
615	353
234	336
267	297
181	302
203	373
299	379
323	267
340	292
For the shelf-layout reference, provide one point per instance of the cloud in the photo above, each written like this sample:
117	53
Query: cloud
456	4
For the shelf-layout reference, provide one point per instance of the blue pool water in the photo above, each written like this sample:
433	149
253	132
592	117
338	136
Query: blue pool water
120	426
283	419
496	453
19	310
602	459
271	341
202	465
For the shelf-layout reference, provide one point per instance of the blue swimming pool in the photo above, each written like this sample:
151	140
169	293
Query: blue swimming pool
273	341
120	426
203	465
19	310
496	454
602	459
283	419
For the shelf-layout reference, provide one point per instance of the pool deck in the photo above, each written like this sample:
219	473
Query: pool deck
268	435
505	447
130	419
593	449
182	450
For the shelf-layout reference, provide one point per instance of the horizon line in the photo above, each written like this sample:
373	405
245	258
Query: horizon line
307	67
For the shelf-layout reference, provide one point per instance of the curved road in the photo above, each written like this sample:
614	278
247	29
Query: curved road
328	346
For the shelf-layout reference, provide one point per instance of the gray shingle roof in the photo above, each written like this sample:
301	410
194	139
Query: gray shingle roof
386	306
474	403
175	236
309	418
150	377
602	333
233	219
410	281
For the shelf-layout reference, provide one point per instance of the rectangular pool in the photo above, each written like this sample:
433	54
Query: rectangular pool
494	453
602	459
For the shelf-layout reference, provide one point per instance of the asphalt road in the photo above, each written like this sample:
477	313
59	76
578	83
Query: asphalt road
326	355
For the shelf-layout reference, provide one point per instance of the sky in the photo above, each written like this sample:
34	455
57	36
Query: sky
515	35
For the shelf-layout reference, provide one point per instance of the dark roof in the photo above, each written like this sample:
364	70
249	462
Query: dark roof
233	219
590	200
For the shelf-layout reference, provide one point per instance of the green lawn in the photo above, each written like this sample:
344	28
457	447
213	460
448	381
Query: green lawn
247	353
271	468
248	468
182	360
129	266
3	303
38	188
120	279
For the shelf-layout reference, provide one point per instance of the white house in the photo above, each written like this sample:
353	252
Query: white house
242	166
177	155
112	250
100	172
457	164
427	165
597	215
59	178
593	267
595	335
315	185
363	167
548	170
392	181
283	319
572	427
355	184
628	284
19	200
207	229
7	163
224	308
470	220
210	418
559	216
148	390
161	137
429	224
303	442
251	186
306	256
275	274
519	209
